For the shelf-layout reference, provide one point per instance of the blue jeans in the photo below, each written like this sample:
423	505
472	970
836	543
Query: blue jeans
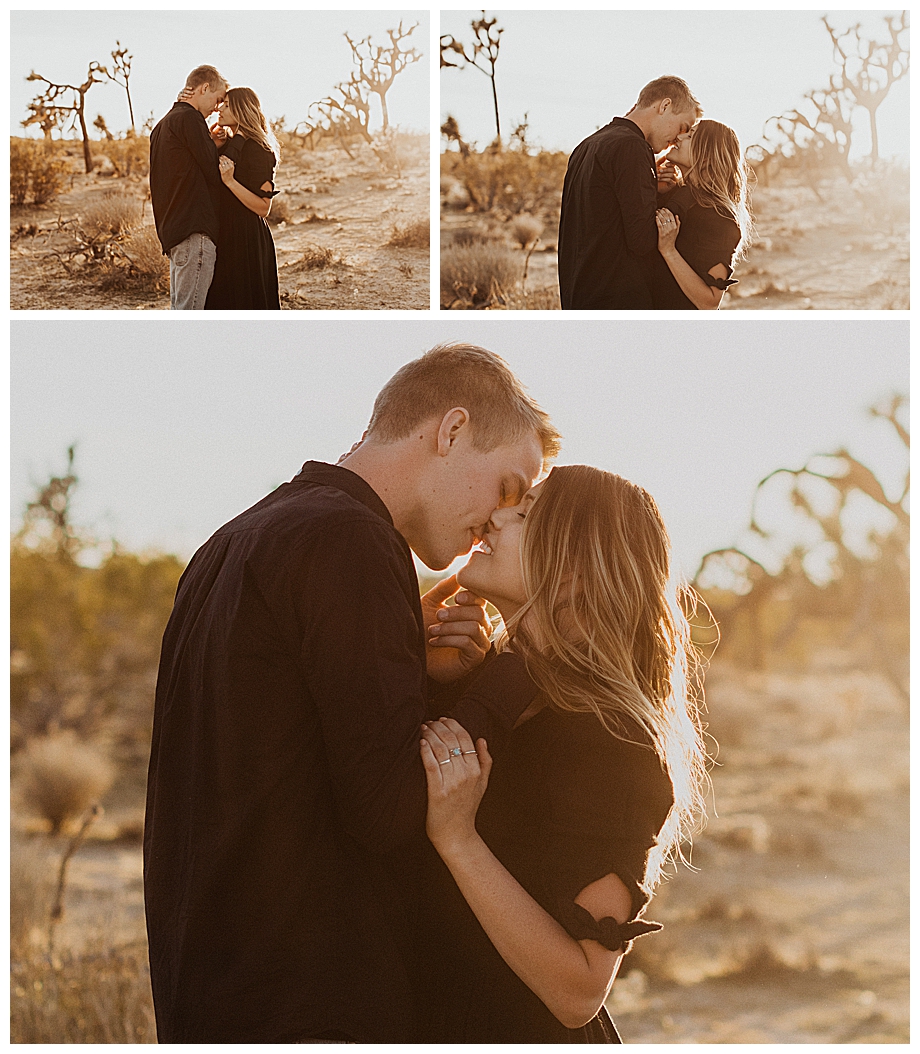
191	268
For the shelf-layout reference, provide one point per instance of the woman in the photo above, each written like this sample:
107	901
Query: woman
595	787
246	273
704	224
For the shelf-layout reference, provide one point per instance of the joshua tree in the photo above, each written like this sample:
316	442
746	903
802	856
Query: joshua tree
63	99
377	66
120	73
486	43
868	68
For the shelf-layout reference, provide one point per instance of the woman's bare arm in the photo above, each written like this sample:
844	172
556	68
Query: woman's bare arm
571	977
703	296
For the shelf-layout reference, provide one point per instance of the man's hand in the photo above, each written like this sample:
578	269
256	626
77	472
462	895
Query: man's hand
218	134
457	634
667	176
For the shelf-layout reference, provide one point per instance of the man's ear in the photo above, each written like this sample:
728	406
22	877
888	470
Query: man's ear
452	424
664	106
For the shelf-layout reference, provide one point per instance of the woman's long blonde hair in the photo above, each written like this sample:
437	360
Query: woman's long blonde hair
248	111
603	631
719	176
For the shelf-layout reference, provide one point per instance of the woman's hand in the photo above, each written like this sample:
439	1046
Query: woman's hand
227	168
218	134
186	95
668	229
457	774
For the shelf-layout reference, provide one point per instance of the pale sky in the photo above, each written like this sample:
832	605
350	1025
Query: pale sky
290	58
179	429
572	71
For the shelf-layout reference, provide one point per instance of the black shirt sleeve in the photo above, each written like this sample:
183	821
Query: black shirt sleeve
609	801
636	189
192	132
256	166
706	238
363	660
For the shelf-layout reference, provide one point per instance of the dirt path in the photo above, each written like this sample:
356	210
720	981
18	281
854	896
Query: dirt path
339	214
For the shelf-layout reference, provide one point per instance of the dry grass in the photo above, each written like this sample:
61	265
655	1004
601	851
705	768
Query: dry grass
37	175
59	778
315	258
129	156
414	235
100	996
112	215
479	275
147	268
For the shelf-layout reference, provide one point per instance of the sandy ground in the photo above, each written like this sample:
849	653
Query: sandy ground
795	927
346	206
850	250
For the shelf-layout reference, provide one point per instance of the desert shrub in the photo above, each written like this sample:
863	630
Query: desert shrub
546	298
473	236
315	258
414	235
111	215
59	777
525	229
147	267
98	996
509	181
36	174
129	156
456	196
478	275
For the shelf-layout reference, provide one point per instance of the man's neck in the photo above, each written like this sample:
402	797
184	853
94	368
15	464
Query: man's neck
641	119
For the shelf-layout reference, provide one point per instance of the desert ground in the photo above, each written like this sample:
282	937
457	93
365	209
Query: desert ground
333	225
793	928
846	247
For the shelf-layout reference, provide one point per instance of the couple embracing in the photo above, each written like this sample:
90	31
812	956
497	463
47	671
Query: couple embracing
211	191
655	209
367	821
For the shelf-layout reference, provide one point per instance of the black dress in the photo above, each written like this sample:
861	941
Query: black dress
567	803
706	238
246	273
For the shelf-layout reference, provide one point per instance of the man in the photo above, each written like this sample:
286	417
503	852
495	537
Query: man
286	799
184	189
607	232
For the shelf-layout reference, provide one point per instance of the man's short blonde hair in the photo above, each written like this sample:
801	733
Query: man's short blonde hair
449	375
205	75
673	88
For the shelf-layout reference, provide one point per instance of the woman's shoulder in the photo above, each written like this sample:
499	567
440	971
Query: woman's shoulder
681	196
257	149
598	770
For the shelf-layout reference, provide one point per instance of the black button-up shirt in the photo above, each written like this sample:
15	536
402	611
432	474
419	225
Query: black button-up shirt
184	177
607	232
286	798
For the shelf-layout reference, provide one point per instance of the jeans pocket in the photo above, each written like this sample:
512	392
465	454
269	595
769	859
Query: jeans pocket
180	253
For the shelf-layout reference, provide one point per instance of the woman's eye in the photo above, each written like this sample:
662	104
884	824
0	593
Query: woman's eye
523	515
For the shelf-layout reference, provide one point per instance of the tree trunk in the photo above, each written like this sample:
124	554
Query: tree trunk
130	109
87	153
383	110
498	130
873	127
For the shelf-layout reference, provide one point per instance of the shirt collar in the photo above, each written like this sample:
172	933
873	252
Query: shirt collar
345	480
